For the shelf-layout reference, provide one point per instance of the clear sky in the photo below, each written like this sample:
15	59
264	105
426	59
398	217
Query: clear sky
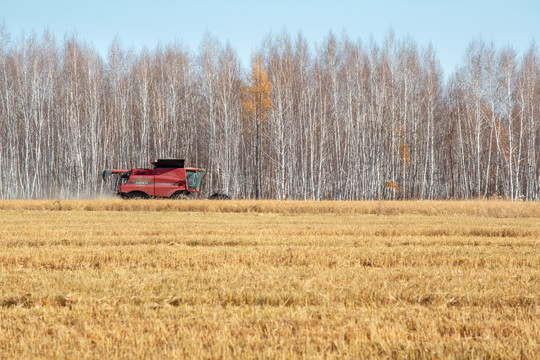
449	25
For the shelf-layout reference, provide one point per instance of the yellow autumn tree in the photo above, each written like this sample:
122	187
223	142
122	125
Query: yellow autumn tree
256	103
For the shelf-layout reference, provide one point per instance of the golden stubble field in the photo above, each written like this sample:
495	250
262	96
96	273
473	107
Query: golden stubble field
268	279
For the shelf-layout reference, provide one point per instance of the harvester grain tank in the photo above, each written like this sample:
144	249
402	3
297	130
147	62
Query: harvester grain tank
168	179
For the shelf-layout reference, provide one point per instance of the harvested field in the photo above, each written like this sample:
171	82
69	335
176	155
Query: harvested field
269	279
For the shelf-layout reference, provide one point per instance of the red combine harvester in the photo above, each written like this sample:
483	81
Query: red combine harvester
169	179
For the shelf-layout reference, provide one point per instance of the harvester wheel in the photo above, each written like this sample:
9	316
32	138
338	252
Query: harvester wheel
138	195
179	196
218	196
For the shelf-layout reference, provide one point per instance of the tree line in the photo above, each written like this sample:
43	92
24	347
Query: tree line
343	120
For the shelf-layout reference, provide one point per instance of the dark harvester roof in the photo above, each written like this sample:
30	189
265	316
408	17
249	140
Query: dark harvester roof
168	163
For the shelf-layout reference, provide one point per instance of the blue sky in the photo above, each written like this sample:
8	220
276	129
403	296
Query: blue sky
448	25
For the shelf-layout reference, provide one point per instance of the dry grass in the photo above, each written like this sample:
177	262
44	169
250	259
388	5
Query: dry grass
495	209
247	279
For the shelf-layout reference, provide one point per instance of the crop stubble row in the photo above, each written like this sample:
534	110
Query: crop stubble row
269	279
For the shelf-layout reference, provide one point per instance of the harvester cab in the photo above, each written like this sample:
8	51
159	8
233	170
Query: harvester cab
168	179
